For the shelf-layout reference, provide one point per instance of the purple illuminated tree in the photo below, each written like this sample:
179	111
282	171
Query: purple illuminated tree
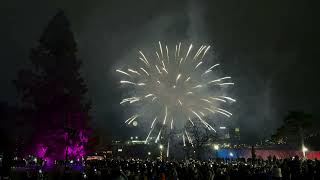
55	90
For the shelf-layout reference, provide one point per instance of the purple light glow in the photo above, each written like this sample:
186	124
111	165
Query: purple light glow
57	134
41	150
54	146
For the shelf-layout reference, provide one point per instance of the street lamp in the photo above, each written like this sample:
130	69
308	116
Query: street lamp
149	153
161	147
304	150
231	154
216	148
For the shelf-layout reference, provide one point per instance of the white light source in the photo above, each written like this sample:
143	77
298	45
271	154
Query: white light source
216	147
135	123
119	150
149	153
222	127
131	137
231	154
136	137
161	146
304	149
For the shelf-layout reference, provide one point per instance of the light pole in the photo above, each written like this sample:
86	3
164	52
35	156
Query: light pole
216	148
304	150
161	148
149	155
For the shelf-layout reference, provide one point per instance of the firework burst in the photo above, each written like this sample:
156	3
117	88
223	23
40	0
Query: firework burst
175	87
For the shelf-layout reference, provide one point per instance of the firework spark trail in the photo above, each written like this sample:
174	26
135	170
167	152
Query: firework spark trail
144	59
184	140
180	86
198	65
220	79
167	54
127	82
203	122
130	100
198	52
145	71
191	121
175	53
177	79
229	98
179	49
131	119
146	141
223	110
205	53
222	84
189	138
161	49
158	69
158	137
165	116
171	124
158	56
186	57
168	148
217	99
197	86
154	120
206	100
149	95
141	84
224	113
123	72
133	71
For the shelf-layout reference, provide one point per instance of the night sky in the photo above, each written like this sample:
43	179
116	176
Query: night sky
270	48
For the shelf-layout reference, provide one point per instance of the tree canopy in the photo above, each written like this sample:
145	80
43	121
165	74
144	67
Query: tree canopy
54	88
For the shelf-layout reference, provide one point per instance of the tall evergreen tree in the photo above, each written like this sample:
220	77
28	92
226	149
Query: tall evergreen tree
55	90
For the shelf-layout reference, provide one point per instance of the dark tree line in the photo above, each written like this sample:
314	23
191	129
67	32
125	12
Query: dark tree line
298	128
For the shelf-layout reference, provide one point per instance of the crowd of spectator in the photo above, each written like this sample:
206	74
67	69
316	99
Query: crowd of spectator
293	168
214	169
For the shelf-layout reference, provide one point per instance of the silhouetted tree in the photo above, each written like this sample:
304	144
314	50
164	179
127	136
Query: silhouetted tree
296	124
6	128
200	136
54	88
